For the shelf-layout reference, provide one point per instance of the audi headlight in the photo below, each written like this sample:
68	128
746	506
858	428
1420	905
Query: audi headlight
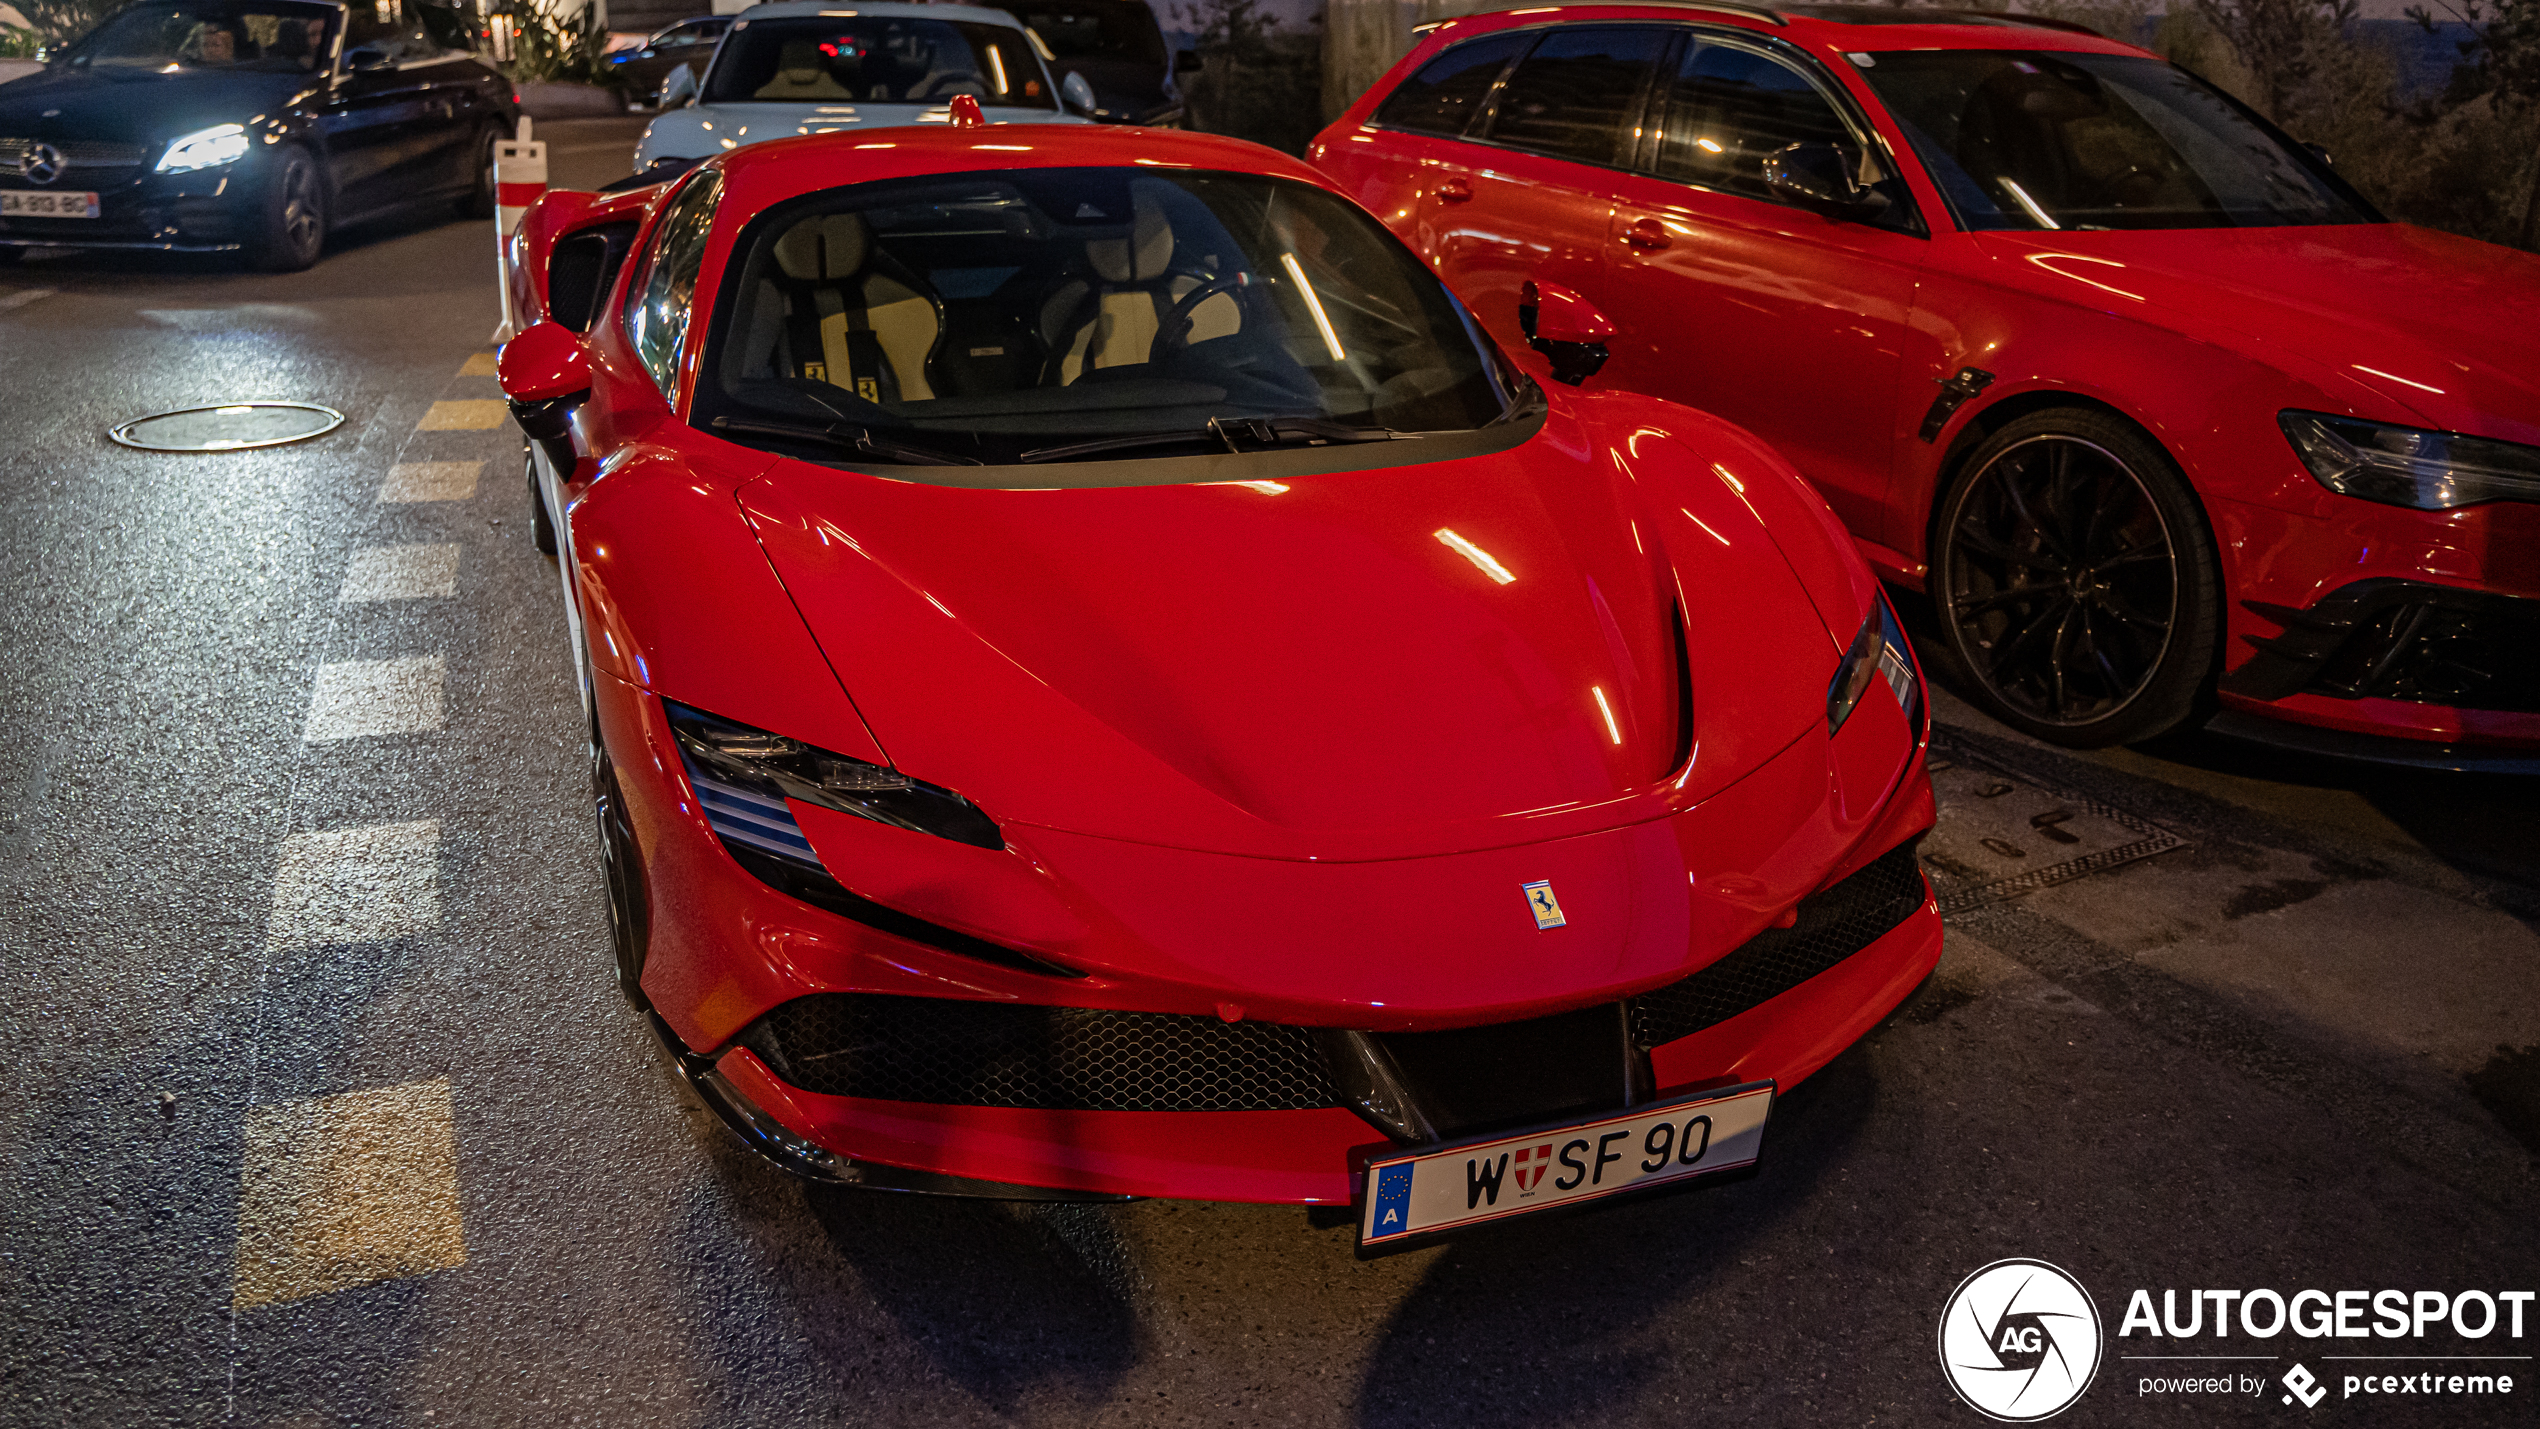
781	768
205	149
1879	652
2410	466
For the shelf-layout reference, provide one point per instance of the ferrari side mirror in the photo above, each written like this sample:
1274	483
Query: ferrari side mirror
1565	328
546	373
680	88
1820	176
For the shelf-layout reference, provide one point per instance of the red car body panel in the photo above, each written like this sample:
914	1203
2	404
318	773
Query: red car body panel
1210	717
1826	338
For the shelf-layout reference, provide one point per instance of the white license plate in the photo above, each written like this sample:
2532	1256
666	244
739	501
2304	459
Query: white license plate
1423	1193
22	203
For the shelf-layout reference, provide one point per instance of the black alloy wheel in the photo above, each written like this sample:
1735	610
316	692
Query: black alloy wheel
542	527
478	201
630	924
2075	580
294	229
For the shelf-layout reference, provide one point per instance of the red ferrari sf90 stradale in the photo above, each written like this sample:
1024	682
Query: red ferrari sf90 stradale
1105	682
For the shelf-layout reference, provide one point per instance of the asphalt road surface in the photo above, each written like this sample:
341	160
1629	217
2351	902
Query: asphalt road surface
321	1107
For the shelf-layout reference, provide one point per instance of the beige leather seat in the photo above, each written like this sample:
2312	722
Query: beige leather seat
854	317
1115	319
801	74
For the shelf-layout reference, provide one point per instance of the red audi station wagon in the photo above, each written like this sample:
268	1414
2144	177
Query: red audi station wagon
2157	409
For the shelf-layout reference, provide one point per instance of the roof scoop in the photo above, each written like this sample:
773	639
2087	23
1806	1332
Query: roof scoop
966	113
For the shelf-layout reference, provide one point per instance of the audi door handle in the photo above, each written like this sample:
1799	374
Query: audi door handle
1647	236
1455	191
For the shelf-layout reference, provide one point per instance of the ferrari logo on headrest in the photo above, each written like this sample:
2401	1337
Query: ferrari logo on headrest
1545	907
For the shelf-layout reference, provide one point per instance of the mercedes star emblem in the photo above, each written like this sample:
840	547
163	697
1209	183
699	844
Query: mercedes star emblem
40	164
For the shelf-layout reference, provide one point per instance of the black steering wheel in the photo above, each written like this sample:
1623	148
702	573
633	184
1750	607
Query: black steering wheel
1175	336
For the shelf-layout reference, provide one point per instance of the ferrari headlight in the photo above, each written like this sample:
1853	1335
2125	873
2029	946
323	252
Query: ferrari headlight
205	149
2410	466
779	768
1879	652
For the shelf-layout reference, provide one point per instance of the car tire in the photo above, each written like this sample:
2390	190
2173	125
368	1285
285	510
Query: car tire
2075	581
292	229
478	201
542	528
622	865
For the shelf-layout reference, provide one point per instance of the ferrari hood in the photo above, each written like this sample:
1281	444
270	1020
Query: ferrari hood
1421	659
2441	326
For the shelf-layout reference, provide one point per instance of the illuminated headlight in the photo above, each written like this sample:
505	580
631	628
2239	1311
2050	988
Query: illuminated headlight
205	149
1878	653
745	776
2410	466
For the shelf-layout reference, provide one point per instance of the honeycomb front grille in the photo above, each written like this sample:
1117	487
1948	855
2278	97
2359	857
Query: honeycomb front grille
923	1049
1834	923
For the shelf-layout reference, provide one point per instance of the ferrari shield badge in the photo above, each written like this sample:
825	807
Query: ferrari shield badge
1547	909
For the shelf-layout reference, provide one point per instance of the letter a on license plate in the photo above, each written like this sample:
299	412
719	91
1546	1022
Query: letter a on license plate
1413	1196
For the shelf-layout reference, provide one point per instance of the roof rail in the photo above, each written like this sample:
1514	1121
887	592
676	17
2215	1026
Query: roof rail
1727	7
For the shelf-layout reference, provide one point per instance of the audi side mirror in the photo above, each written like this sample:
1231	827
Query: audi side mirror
1819	176
1078	93
680	88
367	57
1565	328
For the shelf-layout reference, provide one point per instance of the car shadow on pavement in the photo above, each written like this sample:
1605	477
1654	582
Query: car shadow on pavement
1550	1320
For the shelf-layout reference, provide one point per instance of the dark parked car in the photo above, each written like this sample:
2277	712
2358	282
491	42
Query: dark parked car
247	125
1119	49
640	73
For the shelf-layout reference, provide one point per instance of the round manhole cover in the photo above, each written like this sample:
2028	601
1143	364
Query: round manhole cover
228	428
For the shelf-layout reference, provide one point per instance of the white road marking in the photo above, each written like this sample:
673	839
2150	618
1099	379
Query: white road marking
356	699
359	885
401	573
348	1190
431	481
466	415
24	296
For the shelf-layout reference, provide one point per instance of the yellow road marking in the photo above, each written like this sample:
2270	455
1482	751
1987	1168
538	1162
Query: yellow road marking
348	1190
469	415
431	481
478	364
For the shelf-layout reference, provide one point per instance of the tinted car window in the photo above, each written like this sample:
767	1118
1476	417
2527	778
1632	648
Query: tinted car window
273	38
841	59
657	318
1448	91
1572	94
1114	30
1730	108
2035	140
1019	312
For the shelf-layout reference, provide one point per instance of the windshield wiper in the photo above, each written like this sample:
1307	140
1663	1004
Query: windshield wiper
1262	431
854	438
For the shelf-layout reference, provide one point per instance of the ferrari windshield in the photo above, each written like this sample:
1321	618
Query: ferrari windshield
1039	314
280	38
2028	139
844	59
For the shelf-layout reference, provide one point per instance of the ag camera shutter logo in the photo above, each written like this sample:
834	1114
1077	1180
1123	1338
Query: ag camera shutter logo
2019	1341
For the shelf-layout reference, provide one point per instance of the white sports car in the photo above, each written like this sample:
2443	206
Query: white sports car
794	67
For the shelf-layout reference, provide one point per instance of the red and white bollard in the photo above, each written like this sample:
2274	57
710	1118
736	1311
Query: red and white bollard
520	177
